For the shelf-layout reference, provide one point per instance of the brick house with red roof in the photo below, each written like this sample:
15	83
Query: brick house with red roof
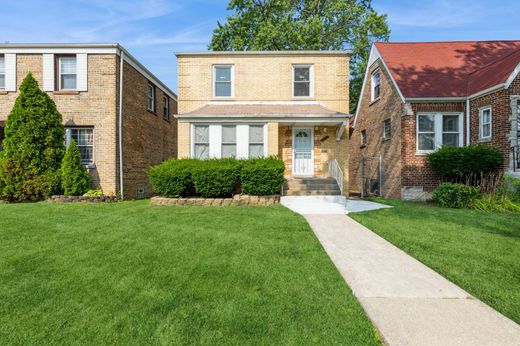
417	97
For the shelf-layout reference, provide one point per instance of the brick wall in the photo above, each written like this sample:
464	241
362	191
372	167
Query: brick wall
148	139
371	117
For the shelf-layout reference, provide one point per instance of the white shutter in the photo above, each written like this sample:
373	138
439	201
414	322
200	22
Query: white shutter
48	72
10	72
82	72
242	141
215	141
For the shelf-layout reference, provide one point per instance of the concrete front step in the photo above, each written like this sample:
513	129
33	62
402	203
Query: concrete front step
313	193
312	186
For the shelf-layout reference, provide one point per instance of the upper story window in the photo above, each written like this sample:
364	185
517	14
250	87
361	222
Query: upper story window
150	97
363	138
436	130
2	72
84	138
302	80
485	123
376	85
229	141
387	129
166	108
67	73
223	81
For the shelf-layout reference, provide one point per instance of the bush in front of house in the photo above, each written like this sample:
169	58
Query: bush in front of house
262	177
465	164
216	178
172	178
33	147
451	195
75	180
94	193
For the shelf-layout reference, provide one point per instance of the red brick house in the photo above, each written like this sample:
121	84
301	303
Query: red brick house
417	97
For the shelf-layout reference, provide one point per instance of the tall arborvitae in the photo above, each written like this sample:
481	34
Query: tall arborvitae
75	180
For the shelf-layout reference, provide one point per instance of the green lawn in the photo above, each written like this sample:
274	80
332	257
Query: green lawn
479	251
133	274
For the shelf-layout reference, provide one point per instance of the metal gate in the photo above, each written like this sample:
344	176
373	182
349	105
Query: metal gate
371	176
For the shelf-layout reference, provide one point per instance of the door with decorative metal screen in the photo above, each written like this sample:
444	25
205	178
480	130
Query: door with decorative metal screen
303	151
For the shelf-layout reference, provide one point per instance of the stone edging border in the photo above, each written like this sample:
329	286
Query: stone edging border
236	200
82	199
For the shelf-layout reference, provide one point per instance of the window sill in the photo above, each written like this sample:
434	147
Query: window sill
3	92
90	165
152	112
484	140
374	101
423	153
66	92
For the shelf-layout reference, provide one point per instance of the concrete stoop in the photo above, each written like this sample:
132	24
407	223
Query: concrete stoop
312	186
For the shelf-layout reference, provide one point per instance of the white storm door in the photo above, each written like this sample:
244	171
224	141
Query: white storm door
303	156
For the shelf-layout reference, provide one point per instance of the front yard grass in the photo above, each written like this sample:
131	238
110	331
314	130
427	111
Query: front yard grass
479	251
133	274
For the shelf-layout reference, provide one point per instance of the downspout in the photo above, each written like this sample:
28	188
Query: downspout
468	112
120	124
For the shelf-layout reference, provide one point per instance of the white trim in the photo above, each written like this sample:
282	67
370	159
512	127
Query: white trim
311	80
481	124
373	86
266	52
10	72
487	91
82	72
232	77
279	117
438	132
513	76
48	72
294	129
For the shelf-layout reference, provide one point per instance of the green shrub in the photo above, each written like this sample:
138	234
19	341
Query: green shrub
216	178
75	180
260	177
465	163
513	185
173	178
449	195
33	146
94	193
497	203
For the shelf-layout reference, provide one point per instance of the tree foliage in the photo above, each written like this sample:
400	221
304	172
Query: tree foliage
33	146
305	25
75	180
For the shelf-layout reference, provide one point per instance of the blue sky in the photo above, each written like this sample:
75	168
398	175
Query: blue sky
152	30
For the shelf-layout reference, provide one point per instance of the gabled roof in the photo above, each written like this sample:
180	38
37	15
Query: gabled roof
449	69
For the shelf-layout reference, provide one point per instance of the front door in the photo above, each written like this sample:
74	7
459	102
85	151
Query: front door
303	156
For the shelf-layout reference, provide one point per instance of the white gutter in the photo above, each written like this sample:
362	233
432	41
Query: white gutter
468	113
120	124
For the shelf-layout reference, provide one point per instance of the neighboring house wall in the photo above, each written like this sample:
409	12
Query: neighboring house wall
388	151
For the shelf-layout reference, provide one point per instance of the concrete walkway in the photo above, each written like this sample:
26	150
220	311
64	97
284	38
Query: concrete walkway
328	205
409	303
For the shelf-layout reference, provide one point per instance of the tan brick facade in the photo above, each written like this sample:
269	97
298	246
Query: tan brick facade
148	139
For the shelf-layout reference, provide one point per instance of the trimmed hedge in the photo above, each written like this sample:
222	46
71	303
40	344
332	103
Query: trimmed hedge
262	177
217	177
465	162
449	195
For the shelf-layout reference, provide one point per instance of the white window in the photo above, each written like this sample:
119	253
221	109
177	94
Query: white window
256	141
201	141
376	85
387	129
166	108
485	123
2	72
84	138
303	80
363	138
68	77
435	130
150	96
229	141
223	81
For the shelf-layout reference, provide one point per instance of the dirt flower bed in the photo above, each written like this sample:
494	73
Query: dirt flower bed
82	199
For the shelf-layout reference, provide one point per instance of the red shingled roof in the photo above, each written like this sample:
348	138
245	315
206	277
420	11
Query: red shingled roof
449	69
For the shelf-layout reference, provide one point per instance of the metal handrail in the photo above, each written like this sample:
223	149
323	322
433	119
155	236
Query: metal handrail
336	173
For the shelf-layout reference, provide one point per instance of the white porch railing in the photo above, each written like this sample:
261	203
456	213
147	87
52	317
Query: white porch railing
336	173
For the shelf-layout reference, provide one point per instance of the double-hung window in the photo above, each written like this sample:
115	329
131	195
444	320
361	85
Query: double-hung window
223	81
485	123
435	130
166	108
302	80
229	141
150	97
376	85
387	129
67	69
256	141
84	138
201	141
2	72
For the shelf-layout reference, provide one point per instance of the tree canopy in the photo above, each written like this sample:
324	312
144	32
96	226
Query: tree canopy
305	25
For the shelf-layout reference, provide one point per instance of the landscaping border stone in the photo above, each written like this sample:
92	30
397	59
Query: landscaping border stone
216	202
82	199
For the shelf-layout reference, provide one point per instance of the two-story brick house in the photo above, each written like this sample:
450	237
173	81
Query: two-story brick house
420	96
291	104
102	92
